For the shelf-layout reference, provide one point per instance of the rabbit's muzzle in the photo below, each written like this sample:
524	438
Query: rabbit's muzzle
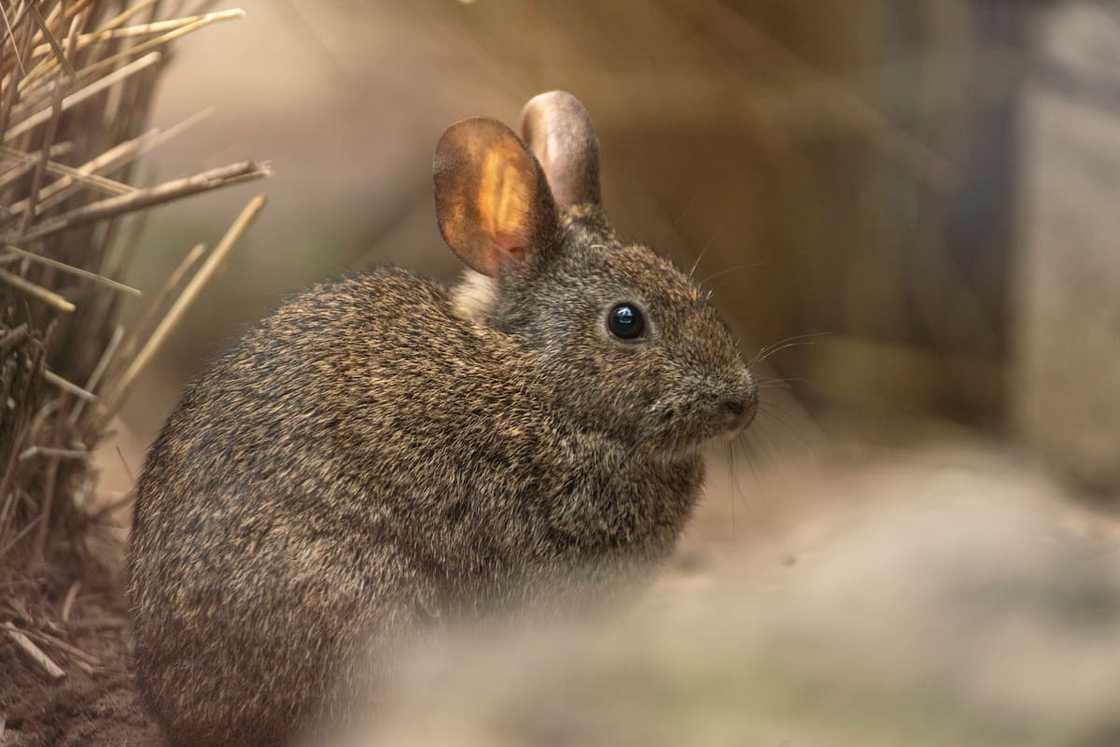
737	411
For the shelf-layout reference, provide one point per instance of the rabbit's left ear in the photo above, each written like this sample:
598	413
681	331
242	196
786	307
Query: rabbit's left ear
492	200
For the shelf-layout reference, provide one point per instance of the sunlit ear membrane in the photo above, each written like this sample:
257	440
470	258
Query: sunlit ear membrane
557	128
492	199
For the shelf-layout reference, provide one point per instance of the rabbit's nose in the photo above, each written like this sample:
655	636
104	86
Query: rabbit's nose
736	406
739	409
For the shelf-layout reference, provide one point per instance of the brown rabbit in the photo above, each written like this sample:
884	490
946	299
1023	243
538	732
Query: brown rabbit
383	452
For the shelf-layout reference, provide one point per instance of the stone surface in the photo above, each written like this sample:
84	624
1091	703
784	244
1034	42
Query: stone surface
1066	392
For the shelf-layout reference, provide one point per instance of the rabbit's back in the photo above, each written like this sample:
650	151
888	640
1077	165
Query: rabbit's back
288	506
345	374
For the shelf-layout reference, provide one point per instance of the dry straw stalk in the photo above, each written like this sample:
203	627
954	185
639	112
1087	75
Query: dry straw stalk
77	81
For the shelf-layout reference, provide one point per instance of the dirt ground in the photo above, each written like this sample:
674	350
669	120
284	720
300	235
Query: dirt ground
94	702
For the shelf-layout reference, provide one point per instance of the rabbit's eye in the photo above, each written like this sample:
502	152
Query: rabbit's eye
626	321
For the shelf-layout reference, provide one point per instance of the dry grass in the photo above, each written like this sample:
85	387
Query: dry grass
77	80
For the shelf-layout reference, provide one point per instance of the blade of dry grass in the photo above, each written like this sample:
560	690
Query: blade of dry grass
159	137
68	601
52	18
76	14
67	386
71	269
12	35
112	61
99	370
52	451
69	649
65	647
144	29
13	337
28	647
42	417
178	188
52	42
76	24
21	534
11	90
44	156
114	158
46	507
43	94
117	394
126	15
83	174
49	61
126	245
26	161
38	292
143	327
46	64
83	94
8	488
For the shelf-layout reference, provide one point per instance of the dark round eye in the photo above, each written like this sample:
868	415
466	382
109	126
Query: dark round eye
626	321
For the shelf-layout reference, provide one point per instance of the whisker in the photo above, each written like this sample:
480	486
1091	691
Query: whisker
731	479
788	342
788	428
692	270
753	450
787	346
782	380
727	271
771	450
737	486
781	383
790	339
779	348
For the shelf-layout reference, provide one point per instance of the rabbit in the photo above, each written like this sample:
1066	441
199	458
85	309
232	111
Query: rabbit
384	454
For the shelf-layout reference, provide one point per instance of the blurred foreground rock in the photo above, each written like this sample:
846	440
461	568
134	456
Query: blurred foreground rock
947	599
1067	392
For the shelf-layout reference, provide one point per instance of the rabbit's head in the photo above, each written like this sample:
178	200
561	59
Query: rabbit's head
625	341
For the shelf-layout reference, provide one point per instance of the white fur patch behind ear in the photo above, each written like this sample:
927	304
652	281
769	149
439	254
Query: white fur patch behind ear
472	298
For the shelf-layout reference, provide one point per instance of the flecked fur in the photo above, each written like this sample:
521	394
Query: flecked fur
383	454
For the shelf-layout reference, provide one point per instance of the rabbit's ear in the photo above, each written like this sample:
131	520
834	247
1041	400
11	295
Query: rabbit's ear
557	128
492	199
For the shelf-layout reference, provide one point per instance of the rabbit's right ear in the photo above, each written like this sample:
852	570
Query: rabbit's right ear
557	128
492	199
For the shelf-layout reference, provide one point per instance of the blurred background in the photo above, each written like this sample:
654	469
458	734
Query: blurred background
932	183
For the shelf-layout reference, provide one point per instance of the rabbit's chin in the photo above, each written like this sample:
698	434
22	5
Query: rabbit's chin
685	444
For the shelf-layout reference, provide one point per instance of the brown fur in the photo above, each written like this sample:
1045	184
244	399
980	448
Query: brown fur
382	454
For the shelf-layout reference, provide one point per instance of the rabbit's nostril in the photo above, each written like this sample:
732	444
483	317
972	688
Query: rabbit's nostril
738	410
735	406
